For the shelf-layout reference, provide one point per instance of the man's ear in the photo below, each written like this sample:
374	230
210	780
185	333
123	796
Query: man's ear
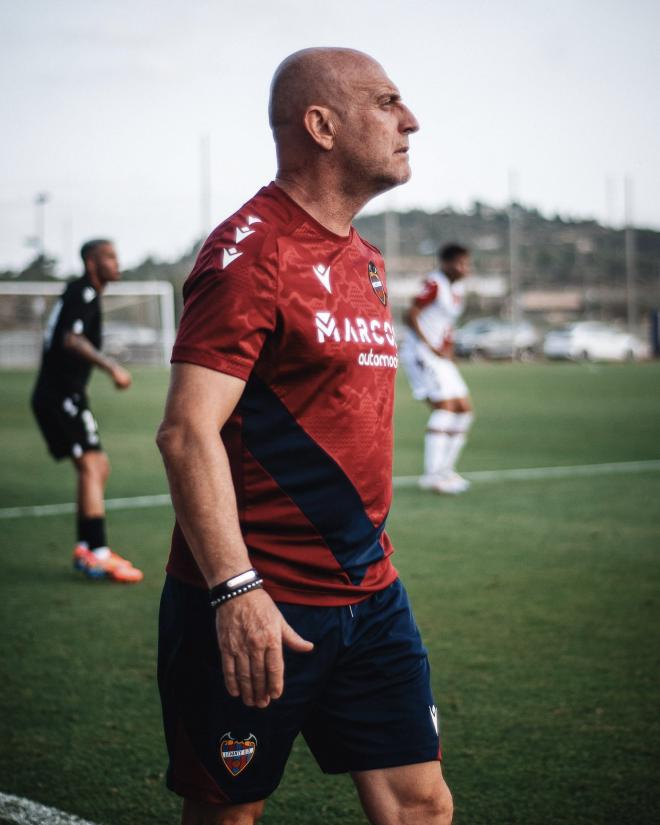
90	264
320	125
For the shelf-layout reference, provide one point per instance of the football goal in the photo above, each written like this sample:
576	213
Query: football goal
138	320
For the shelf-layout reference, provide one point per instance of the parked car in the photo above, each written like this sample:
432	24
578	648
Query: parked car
495	338
123	340
593	341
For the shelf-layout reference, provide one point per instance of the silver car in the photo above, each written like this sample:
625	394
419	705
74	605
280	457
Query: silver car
593	341
495	338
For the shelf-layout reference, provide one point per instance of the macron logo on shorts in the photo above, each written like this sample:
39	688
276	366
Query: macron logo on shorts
434	717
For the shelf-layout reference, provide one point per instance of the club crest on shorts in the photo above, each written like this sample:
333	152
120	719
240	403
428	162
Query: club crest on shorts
377	283
236	754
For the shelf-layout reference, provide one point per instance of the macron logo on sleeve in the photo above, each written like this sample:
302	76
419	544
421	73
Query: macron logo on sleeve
229	255
242	232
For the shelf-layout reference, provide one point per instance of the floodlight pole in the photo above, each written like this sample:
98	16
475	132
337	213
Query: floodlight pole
631	286
610	198
514	268
392	242
40	202
205	184
168	321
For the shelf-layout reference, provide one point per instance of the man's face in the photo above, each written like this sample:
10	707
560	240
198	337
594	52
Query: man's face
372	138
106	263
457	268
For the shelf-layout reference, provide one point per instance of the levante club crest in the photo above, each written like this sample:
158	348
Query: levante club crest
377	283
236	754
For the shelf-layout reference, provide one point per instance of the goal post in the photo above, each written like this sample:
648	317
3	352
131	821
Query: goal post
138	320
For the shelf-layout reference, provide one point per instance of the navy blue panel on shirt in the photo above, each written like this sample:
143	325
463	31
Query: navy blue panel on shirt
311	478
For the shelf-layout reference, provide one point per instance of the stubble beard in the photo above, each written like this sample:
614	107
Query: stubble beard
367	183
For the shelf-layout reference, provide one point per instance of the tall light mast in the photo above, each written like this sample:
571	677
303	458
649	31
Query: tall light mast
631	285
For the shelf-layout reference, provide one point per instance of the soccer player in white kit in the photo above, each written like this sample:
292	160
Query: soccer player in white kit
427	356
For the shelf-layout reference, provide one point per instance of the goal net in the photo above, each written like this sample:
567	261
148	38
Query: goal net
138	320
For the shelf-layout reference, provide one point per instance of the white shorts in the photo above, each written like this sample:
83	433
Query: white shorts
431	377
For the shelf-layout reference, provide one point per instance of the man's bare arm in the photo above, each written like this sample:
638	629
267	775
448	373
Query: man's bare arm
412	319
83	348
250	628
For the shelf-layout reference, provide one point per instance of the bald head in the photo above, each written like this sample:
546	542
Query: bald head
339	125
319	76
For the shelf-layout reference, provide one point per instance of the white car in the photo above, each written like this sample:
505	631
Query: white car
593	341
494	338
121	338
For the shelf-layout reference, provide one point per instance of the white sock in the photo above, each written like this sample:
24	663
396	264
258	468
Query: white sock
459	426
437	441
101	553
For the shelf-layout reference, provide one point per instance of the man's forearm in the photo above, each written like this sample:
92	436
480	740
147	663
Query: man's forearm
413	323
83	348
204	500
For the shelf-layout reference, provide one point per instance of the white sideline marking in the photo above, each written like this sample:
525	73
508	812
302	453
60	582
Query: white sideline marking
531	473
519	474
25	812
134	503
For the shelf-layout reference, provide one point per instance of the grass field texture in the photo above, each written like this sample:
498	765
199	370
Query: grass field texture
538	601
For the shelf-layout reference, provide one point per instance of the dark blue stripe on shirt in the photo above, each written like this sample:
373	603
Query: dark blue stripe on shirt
311	478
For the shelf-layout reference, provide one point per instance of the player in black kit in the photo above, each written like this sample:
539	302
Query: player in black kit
71	348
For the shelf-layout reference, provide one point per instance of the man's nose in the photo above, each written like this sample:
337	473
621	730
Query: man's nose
409	122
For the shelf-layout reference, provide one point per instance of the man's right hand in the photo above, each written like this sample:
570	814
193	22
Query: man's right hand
251	634
445	350
121	377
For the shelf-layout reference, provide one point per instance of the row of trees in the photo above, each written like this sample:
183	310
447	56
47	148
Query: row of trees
551	250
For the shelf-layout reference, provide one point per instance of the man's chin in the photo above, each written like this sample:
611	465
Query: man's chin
396	179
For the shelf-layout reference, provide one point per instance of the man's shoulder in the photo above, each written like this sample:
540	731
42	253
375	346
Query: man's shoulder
268	213
79	290
368	246
438	277
250	233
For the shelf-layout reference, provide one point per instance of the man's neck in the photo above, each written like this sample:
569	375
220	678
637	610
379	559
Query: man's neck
323	200
94	280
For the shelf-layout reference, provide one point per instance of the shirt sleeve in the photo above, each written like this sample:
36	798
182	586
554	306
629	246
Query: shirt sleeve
427	295
78	310
230	306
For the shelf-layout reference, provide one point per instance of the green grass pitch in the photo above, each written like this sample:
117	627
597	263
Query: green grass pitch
538	601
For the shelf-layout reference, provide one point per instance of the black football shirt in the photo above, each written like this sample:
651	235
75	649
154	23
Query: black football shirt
79	311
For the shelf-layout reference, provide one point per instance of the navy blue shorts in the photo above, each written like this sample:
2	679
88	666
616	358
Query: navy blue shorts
362	699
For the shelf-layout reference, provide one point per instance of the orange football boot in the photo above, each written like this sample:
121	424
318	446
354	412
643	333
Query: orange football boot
113	567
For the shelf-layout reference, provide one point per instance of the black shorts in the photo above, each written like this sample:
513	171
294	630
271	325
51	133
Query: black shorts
66	422
362	698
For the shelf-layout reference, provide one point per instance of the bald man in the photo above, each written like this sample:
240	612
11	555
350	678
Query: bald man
282	612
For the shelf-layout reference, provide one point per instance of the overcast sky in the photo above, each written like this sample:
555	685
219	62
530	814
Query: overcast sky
103	104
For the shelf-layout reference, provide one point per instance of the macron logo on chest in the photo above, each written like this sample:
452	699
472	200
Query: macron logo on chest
323	274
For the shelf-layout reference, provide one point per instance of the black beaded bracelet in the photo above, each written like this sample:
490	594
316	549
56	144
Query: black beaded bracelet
235	586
